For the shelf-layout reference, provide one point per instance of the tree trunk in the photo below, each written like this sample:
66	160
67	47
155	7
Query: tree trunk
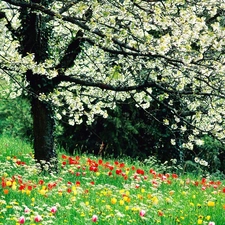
43	129
34	35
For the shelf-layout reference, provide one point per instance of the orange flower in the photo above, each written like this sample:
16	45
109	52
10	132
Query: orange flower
6	191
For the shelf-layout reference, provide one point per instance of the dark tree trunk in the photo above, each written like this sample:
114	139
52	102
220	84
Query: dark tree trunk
33	36
43	128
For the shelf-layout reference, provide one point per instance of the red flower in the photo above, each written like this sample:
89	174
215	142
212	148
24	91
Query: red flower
93	168
22	187
174	176
72	161
118	171
41	182
64	156
140	171
29	187
196	183
109	173
203	180
110	167
77	174
51	185
3	183
122	165
152	171
77	183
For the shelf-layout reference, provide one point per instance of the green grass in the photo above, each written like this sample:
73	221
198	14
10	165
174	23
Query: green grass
117	192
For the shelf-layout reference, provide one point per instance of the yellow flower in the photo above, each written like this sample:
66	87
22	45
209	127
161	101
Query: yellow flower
121	202
42	191
208	217
211	203
200	221
113	200
8	183
155	200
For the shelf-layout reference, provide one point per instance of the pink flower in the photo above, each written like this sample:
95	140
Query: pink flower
27	210
94	218
53	209
37	218
21	220
142	213
211	223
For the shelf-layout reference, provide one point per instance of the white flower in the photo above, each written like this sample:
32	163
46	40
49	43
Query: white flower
197	159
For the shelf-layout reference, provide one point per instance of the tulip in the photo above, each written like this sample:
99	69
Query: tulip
21	220
94	218
37	218
27	210
53	209
142	213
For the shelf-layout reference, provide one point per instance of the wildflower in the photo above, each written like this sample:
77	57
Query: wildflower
94	218
212	223
200	221
142	213
140	171
211	203
21	220
113	200
53	209
121	202
174	176
6	191
37	218
197	159
208	217
27	210
160	213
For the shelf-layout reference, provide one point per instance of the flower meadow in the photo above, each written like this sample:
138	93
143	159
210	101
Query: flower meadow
91	190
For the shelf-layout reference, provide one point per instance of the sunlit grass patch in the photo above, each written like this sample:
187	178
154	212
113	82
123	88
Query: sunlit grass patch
90	190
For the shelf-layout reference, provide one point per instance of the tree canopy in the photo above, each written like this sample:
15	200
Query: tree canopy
89	55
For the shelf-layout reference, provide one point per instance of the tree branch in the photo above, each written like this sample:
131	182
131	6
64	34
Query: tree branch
72	51
63	78
77	21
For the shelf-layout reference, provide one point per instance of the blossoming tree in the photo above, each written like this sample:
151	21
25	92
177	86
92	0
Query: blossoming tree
95	53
